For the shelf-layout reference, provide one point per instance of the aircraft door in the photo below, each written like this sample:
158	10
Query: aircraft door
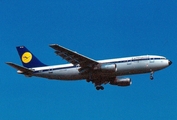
50	73
50	70
151	60
129	62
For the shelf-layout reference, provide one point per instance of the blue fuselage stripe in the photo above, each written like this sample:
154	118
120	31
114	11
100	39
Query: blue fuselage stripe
122	61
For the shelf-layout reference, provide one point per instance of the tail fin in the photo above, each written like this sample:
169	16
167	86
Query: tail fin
27	58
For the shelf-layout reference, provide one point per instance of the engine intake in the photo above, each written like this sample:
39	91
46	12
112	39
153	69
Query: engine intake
121	82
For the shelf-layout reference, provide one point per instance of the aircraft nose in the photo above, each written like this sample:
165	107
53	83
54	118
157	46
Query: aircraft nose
169	62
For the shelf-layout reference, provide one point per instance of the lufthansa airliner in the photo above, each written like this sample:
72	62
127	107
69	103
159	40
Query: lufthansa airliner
109	71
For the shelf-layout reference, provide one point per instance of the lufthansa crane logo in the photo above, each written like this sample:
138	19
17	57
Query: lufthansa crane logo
26	57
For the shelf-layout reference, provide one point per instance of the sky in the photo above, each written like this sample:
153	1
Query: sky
99	29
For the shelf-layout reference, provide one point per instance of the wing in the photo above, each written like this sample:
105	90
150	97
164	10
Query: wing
73	57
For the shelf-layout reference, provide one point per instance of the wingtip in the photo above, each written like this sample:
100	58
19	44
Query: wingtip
51	45
9	63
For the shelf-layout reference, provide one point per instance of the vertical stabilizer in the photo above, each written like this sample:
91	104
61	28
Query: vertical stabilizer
27	58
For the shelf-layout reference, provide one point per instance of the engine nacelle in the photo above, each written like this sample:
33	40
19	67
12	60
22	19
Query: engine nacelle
121	82
108	67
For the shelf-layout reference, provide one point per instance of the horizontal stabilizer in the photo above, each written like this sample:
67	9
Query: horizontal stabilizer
22	70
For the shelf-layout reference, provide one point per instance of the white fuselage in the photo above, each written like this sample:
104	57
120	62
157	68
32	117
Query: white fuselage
125	66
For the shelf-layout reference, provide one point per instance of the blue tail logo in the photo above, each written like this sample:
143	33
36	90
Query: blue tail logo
27	58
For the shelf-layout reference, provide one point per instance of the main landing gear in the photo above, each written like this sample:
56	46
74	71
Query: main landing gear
151	75
99	87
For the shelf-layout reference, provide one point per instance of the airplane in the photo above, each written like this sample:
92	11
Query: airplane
99	72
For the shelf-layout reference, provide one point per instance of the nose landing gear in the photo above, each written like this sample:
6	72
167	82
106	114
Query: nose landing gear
151	75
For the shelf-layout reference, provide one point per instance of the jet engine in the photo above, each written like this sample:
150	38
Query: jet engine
108	67
121	82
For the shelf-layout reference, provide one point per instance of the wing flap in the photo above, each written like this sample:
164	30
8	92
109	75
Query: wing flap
73	57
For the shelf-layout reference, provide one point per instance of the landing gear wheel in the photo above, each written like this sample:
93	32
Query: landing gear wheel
99	88
88	80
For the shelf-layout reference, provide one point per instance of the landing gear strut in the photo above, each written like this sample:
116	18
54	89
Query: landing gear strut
151	75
